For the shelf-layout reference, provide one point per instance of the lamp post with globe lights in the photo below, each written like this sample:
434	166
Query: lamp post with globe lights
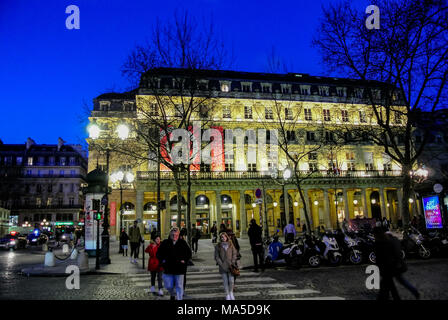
123	133
121	177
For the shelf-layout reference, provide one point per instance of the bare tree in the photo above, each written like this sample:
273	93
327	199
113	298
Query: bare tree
179	49
403	67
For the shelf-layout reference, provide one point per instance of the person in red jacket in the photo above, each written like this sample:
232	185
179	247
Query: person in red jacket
154	266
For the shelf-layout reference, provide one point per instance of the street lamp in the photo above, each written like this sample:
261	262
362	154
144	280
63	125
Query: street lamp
123	131
121	177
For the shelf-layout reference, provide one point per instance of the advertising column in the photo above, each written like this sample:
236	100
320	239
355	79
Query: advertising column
91	228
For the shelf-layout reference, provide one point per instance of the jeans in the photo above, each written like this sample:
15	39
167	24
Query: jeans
228	280
135	246
159	278
174	283
257	252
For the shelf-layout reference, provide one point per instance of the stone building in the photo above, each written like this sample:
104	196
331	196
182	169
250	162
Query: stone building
42	182
365	182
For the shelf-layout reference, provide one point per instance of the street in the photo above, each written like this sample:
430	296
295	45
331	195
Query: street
203	281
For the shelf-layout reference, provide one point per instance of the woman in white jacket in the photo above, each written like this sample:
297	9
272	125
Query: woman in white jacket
225	256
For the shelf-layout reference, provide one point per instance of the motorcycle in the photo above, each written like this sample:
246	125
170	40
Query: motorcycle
349	247
329	249
436	242
366	244
412	244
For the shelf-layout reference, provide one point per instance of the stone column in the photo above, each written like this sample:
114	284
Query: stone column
243	216
383	204
327	210
365	203
218	209
167	217
346	210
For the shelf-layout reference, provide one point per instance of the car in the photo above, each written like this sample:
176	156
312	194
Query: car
13	241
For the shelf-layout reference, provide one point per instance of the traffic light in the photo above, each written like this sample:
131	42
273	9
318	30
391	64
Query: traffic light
98	216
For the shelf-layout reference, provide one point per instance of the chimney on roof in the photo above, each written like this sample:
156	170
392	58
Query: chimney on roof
29	143
60	143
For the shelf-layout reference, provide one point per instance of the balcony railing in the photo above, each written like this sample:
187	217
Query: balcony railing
43	207
229	175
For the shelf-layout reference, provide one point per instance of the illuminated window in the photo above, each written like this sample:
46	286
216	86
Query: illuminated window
362	117
225	87
19	161
30	161
247	112
308	115
310	136
252	167
344	115
327	115
62	161
226	113
268	113
288	114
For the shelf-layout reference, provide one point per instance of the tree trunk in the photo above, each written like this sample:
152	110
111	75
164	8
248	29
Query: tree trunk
304	209
179	198
406	195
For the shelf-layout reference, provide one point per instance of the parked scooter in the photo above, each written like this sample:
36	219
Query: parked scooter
412	244
329	249
310	252
278	253
349	247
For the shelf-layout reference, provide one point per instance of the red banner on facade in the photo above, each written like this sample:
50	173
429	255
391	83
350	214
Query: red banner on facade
113	213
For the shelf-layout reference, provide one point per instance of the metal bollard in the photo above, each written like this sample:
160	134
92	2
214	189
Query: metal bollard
83	260
65	248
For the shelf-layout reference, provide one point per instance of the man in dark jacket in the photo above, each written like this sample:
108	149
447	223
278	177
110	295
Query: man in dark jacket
195	236
256	244
391	264
174	254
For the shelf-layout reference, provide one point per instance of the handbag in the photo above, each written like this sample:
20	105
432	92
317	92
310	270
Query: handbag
234	270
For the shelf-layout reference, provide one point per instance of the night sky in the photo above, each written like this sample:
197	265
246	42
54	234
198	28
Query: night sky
47	72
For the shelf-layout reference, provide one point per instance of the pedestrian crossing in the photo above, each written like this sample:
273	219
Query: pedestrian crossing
205	283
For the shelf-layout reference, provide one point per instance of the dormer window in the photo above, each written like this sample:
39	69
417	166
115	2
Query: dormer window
225	86
305	90
178	83
266	87
128	106
246	86
104	105
341	92
286	88
203	85
324	91
357	93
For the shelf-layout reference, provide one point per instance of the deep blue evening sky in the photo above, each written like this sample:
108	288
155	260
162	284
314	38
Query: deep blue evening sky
47	72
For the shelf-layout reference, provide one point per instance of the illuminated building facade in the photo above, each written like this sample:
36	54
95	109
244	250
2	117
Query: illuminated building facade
352	179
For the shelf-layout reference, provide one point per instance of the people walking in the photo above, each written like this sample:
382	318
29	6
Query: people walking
174	254
222	228
391	264
124	239
225	256
154	266
256	244
385	224
195	236
290	232
214	232
134	238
